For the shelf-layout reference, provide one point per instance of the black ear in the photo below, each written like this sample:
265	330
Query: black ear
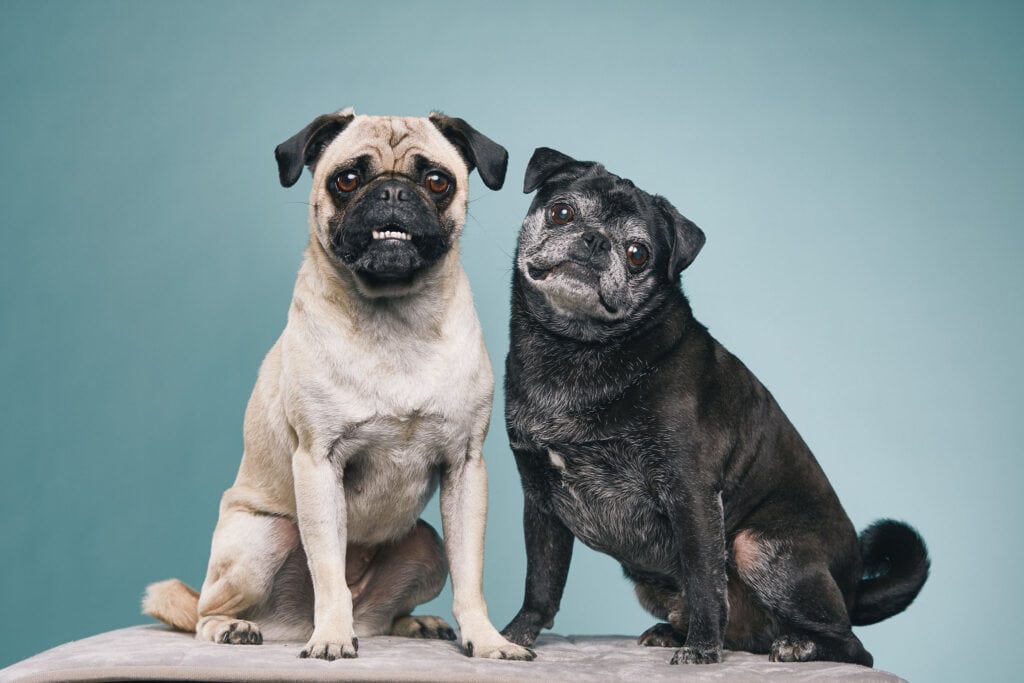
489	158
306	146
544	162
685	238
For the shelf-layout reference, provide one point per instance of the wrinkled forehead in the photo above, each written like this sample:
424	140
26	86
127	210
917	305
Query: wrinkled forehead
393	144
605	197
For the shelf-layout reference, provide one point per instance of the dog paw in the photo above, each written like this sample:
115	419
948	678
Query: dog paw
662	635
792	649
499	649
422	627
697	655
229	630
317	648
523	629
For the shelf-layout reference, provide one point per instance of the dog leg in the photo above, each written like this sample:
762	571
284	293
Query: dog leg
548	555
247	551
666	604
402	575
799	590
700	535
464	518
321	511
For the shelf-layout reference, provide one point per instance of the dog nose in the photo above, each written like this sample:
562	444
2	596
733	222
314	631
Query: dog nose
596	242
392	191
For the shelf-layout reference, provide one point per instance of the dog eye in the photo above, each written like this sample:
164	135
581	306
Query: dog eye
437	182
637	254
347	181
562	214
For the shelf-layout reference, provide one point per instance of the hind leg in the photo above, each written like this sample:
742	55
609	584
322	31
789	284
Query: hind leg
247	551
797	588
668	605
388	581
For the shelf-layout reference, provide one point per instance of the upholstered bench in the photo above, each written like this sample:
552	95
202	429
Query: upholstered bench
154	652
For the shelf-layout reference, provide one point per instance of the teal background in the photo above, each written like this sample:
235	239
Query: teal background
857	168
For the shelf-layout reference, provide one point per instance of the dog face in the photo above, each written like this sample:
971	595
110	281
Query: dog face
596	254
389	193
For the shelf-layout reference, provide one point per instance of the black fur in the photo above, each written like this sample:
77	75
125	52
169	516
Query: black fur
478	150
647	440
306	146
390	203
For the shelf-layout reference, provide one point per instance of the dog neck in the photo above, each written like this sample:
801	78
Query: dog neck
430	297
599	372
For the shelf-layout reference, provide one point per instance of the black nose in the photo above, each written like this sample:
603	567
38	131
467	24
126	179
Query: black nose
392	191
596	242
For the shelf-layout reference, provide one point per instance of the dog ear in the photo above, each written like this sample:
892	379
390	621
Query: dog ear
479	151
684	237
306	146
543	164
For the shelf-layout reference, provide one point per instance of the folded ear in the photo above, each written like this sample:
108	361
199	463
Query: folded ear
543	164
306	146
684	237
479	151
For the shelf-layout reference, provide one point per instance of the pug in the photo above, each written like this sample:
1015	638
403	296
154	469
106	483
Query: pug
639	434
378	390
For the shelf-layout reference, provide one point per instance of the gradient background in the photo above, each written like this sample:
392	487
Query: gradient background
857	168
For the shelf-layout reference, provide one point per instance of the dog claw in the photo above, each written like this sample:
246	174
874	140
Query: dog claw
330	650
697	655
791	649
423	627
661	635
229	631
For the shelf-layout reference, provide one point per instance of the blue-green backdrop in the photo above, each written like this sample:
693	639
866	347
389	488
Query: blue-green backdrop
857	168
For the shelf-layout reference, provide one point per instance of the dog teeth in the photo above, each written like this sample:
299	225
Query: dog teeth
391	235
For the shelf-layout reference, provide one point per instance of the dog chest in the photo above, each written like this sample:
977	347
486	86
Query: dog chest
604	495
391	467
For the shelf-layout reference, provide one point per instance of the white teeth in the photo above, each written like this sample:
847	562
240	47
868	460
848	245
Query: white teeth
391	235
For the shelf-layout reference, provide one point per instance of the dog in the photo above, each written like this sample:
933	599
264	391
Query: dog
378	390
636	432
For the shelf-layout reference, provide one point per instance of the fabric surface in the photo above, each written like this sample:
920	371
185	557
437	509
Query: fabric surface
154	652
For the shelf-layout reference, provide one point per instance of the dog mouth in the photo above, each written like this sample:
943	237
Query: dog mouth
571	274
568	268
391	234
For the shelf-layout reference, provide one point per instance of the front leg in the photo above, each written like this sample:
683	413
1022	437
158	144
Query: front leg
322	520
464	519
700	535
548	555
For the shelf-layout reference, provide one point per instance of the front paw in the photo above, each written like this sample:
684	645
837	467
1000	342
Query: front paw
497	648
330	648
698	655
523	629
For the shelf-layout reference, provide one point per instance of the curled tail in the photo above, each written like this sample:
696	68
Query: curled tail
173	603
895	568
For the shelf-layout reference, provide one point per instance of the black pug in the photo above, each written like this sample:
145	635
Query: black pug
638	433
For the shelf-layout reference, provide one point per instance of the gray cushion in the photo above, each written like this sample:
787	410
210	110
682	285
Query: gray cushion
154	652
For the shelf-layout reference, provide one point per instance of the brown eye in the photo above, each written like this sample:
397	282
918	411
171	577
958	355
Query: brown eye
562	214
437	182
637	255
347	181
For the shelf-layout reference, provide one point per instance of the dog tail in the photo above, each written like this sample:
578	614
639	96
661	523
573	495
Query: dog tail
173	603
895	568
